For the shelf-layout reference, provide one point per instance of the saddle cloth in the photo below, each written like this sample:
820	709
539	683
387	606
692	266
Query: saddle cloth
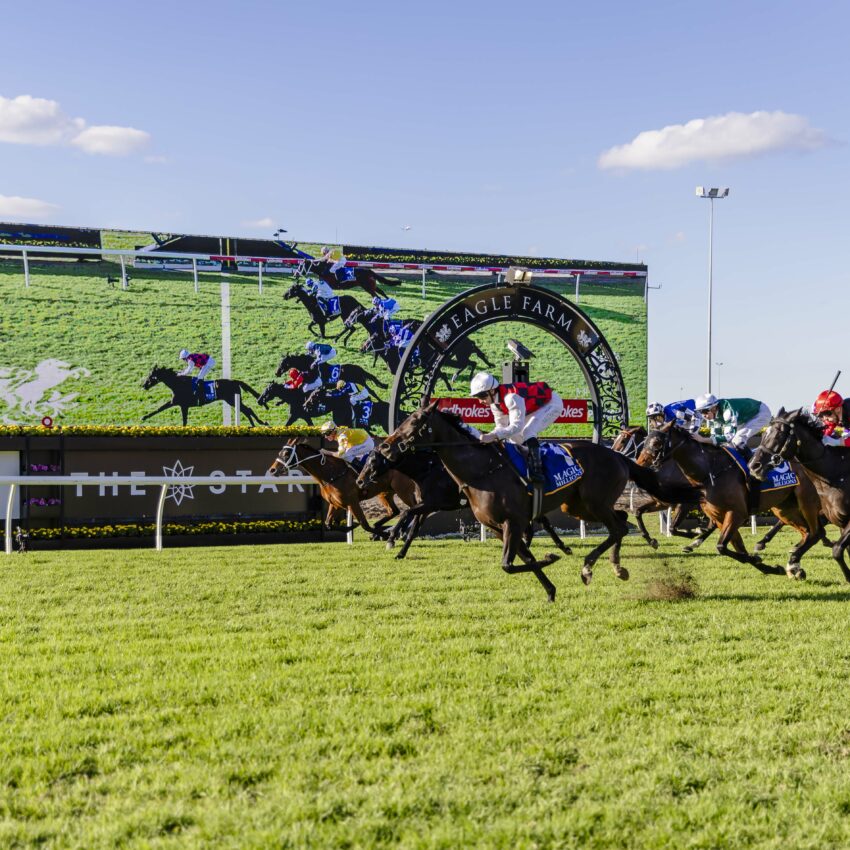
330	306
330	373
363	413
560	468
209	388
344	275
781	476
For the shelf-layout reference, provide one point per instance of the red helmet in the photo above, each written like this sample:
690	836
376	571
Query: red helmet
828	400
294	373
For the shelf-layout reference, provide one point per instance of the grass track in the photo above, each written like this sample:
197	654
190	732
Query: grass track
297	696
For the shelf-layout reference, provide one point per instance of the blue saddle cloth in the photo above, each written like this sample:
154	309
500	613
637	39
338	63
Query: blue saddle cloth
560	468
331	306
344	275
209	388
781	476
330	373
363	412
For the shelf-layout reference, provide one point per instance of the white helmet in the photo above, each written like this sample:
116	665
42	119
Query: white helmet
482	382
327	427
184	353
706	401
325	249
654	409
310	346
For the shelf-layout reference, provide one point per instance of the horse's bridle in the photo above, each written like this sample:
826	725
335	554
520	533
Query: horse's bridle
288	456
632	448
658	457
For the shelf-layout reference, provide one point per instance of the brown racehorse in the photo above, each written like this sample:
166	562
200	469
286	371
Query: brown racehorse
365	278
726	501
796	436
499	499
338	483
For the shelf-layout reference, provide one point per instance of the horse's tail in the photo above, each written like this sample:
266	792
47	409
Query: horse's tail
389	281
243	386
674	494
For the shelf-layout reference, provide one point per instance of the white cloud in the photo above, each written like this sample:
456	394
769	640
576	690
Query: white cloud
260	223
25	209
716	138
27	120
111	141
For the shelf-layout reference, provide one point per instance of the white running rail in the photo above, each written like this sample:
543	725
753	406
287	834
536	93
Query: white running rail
163	482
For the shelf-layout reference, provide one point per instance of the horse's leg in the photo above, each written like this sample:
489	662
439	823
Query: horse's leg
329	518
772	532
678	515
412	533
512	537
649	507
803	517
702	535
185	411
544	521
838	551
729	534
253	418
620	572
162	407
613	523
386	499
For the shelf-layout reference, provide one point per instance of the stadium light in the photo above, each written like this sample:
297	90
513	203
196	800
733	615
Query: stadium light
712	194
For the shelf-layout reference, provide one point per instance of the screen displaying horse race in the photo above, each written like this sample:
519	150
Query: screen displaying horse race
85	343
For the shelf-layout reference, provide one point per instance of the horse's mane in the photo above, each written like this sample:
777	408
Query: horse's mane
457	423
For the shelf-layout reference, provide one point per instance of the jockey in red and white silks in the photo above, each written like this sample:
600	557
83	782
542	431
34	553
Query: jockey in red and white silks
202	362
834	413
520	411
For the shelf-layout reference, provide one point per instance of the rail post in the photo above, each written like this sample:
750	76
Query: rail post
753	524
582	529
260	276
423	283
123	273
160	509
482	532
195	273
26	269
349	535
237	409
10	502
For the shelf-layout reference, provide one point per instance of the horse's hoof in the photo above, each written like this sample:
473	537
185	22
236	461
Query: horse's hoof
566	550
687	550
759	547
756	559
621	572
548	560
653	543
586	575
551	594
796	572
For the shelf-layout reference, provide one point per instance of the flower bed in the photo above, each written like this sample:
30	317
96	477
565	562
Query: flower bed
153	431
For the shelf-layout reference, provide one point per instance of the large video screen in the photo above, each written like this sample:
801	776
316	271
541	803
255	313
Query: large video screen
77	347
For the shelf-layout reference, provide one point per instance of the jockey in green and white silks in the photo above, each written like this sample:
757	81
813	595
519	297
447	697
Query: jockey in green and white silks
737	421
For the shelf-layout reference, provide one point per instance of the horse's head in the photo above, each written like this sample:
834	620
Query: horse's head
629	441
286	363
373	343
353	317
313	402
657	446
294	291
377	463
267	394
287	458
155	377
787	436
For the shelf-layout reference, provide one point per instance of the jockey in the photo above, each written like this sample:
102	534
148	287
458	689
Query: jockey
737	421
352	443
296	379
834	414
683	413
202	362
520	411
337	266
384	308
321	352
356	395
321	292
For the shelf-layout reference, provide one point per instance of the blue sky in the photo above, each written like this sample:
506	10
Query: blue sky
481	126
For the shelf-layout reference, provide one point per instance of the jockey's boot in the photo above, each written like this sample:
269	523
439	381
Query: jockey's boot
535	462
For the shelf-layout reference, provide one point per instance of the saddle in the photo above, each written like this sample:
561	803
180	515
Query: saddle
344	275
204	391
363	412
330	307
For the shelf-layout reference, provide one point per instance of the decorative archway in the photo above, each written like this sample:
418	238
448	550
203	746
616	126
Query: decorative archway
470	311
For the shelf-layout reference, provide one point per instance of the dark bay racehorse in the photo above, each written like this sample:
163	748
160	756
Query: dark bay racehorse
499	499
727	499
340	410
796	437
184	396
295	398
337	482
438	491
363	277
318	317
347	371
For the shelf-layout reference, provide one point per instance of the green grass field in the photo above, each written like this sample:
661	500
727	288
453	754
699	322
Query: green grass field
71	313
304	696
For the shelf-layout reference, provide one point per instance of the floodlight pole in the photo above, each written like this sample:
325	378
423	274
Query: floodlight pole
710	284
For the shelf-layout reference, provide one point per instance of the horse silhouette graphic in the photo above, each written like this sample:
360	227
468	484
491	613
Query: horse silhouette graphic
30	394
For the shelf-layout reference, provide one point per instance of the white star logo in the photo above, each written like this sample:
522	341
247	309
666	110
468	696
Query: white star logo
179	492
443	334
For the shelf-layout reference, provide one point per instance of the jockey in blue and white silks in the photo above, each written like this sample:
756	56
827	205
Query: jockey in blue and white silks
683	413
384	308
321	352
322	293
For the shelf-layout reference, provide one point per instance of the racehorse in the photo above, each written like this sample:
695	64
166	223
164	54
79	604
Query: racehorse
318	317
499	498
795	436
438	491
337	482
295	398
726	501
347	371
184	395
365	278
340	409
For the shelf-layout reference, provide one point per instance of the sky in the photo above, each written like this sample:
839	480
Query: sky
562	129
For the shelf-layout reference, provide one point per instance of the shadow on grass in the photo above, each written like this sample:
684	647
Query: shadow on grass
831	596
